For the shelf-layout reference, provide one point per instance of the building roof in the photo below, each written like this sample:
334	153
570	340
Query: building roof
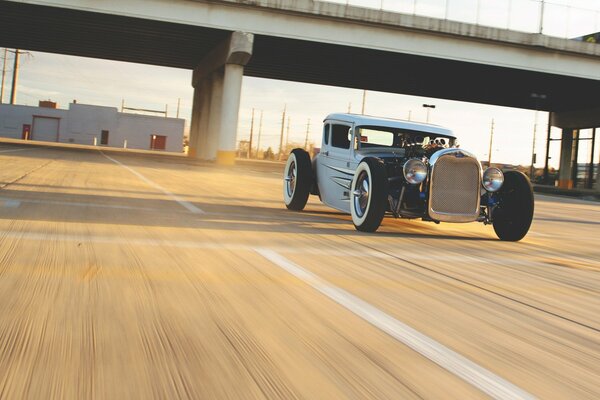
358	119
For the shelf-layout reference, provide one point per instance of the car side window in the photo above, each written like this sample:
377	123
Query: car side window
326	133
340	136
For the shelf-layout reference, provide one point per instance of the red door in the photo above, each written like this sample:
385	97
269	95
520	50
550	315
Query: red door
158	142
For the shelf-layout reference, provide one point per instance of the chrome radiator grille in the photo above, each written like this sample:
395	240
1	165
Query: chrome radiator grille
454	194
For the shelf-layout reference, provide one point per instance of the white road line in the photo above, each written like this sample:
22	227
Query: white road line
189	206
186	244
13	150
541	234
305	250
479	377
10	203
74	204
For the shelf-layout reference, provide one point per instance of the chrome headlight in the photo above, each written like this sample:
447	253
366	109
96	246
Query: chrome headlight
492	180
415	171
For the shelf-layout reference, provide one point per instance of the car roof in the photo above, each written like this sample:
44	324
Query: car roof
359	119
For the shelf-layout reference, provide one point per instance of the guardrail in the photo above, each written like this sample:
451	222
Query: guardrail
559	18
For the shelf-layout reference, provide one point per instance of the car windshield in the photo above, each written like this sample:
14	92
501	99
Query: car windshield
376	136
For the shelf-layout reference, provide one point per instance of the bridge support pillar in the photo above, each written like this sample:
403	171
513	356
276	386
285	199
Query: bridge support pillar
217	83
571	122
565	171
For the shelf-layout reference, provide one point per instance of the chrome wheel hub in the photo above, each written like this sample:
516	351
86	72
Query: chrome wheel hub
290	179
361	194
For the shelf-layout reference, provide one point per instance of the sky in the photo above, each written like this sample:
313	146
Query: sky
45	76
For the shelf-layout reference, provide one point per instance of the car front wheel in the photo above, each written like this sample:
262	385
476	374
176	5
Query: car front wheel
512	218
368	195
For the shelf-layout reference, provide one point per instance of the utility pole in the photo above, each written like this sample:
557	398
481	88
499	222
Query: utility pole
281	137
13	91
491	141
259	134
306	138
287	135
251	133
363	102
409	114
3	75
178	104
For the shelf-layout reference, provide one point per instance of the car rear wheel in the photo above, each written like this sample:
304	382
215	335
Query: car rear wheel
297	180
512	218
368	195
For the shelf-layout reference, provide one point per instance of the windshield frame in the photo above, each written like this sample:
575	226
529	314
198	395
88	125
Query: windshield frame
358	145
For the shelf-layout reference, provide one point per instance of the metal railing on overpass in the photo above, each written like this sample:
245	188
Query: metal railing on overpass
559	18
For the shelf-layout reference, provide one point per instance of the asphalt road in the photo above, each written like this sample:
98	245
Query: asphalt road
127	277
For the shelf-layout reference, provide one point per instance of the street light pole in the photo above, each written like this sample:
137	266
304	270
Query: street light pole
541	30
491	141
428	107
532	168
537	97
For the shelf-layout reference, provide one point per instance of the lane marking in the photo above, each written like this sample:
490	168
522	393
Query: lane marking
189	206
76	204
208	216
540	234
306	250
10	203
188	244
481	378
19	149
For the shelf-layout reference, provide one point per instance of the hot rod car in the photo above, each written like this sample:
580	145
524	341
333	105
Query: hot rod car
368	167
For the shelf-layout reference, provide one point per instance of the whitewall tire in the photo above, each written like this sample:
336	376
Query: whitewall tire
368	195
297	180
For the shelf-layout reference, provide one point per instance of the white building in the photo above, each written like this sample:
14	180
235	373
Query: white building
87	124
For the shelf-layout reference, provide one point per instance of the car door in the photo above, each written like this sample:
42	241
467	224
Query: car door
334	171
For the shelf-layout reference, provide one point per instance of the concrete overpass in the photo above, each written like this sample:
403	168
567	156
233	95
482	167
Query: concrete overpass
316	42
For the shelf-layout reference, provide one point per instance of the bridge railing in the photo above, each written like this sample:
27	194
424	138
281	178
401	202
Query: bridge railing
560	18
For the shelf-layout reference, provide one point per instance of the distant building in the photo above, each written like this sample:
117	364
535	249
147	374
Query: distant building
88	124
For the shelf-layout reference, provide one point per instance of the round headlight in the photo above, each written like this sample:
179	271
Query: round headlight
415	171
493	179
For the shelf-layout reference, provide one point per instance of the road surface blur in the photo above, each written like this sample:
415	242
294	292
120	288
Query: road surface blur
135	277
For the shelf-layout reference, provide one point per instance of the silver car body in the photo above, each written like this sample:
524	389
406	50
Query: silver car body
335	165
